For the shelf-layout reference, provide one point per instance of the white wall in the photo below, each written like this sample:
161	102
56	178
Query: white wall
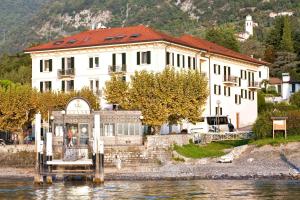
83	74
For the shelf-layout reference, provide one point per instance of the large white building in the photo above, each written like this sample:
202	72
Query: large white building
89	58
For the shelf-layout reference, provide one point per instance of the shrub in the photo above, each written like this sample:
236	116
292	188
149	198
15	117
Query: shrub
263	125
295	99
293	125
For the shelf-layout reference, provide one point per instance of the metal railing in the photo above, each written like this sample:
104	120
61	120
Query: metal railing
254	84
117	68
65	72
230	79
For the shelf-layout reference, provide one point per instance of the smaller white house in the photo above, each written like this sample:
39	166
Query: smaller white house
285	87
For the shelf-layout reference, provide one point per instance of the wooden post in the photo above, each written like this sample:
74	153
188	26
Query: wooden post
38	179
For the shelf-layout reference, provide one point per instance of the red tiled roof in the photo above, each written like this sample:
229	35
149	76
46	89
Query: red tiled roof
215	48
109	36
124	35
274	81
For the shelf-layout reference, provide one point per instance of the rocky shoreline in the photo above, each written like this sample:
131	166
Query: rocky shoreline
267	162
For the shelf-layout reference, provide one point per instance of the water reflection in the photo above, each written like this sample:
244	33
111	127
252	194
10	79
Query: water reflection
201	189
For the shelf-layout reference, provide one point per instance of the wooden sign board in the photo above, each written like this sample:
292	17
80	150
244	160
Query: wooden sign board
279	124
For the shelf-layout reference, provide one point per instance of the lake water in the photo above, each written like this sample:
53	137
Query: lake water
196	189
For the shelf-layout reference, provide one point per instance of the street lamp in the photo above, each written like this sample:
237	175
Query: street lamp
218	113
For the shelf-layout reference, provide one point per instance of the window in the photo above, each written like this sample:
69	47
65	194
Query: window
144	57
259	74
178	60
84	134
189	62
293	87
46	65
242	93
45	86
217	89
48	86
227	72
226	91
92	85
167	58
237	99
183	61
67	86
67	63
249	95
240	82
93	62
246	94
217	69
219	111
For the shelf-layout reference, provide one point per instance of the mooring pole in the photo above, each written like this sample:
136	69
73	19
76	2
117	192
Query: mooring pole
99	172
49	156
38	179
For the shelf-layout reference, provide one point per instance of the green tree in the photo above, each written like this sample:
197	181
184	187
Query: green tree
16	108
116	91
275	35
224	36
165	97
287	41
295	99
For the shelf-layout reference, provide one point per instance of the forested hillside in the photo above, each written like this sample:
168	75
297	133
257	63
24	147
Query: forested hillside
34	21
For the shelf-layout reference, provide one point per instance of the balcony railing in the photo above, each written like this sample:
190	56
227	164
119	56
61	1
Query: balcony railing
117	69
253	85
230	80
65	73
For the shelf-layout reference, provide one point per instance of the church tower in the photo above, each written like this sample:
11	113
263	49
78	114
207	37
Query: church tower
249	25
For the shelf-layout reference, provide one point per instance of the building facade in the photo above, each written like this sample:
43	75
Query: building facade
89	59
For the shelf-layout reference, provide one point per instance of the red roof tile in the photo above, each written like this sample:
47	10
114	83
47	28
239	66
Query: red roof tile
135	34
109	36
274	81
215	48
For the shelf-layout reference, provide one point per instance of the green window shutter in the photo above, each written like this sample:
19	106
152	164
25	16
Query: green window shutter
123	58
63	64
91	62
148	57
50	65
41	86
41	65
138	58
63	86
72	62
113	59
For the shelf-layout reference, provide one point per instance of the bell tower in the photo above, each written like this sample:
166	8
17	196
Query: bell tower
249	25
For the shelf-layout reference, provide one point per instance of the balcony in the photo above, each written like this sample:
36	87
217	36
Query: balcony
65	73
230	80
117	69
253	85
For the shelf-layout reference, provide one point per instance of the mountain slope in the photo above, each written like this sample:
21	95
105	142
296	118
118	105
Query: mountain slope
56	18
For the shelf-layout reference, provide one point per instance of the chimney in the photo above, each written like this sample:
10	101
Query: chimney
251	56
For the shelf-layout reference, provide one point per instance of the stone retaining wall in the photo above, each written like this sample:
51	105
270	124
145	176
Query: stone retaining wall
166	141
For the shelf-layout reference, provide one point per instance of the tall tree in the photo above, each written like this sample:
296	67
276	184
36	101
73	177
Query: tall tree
287	41
224	36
